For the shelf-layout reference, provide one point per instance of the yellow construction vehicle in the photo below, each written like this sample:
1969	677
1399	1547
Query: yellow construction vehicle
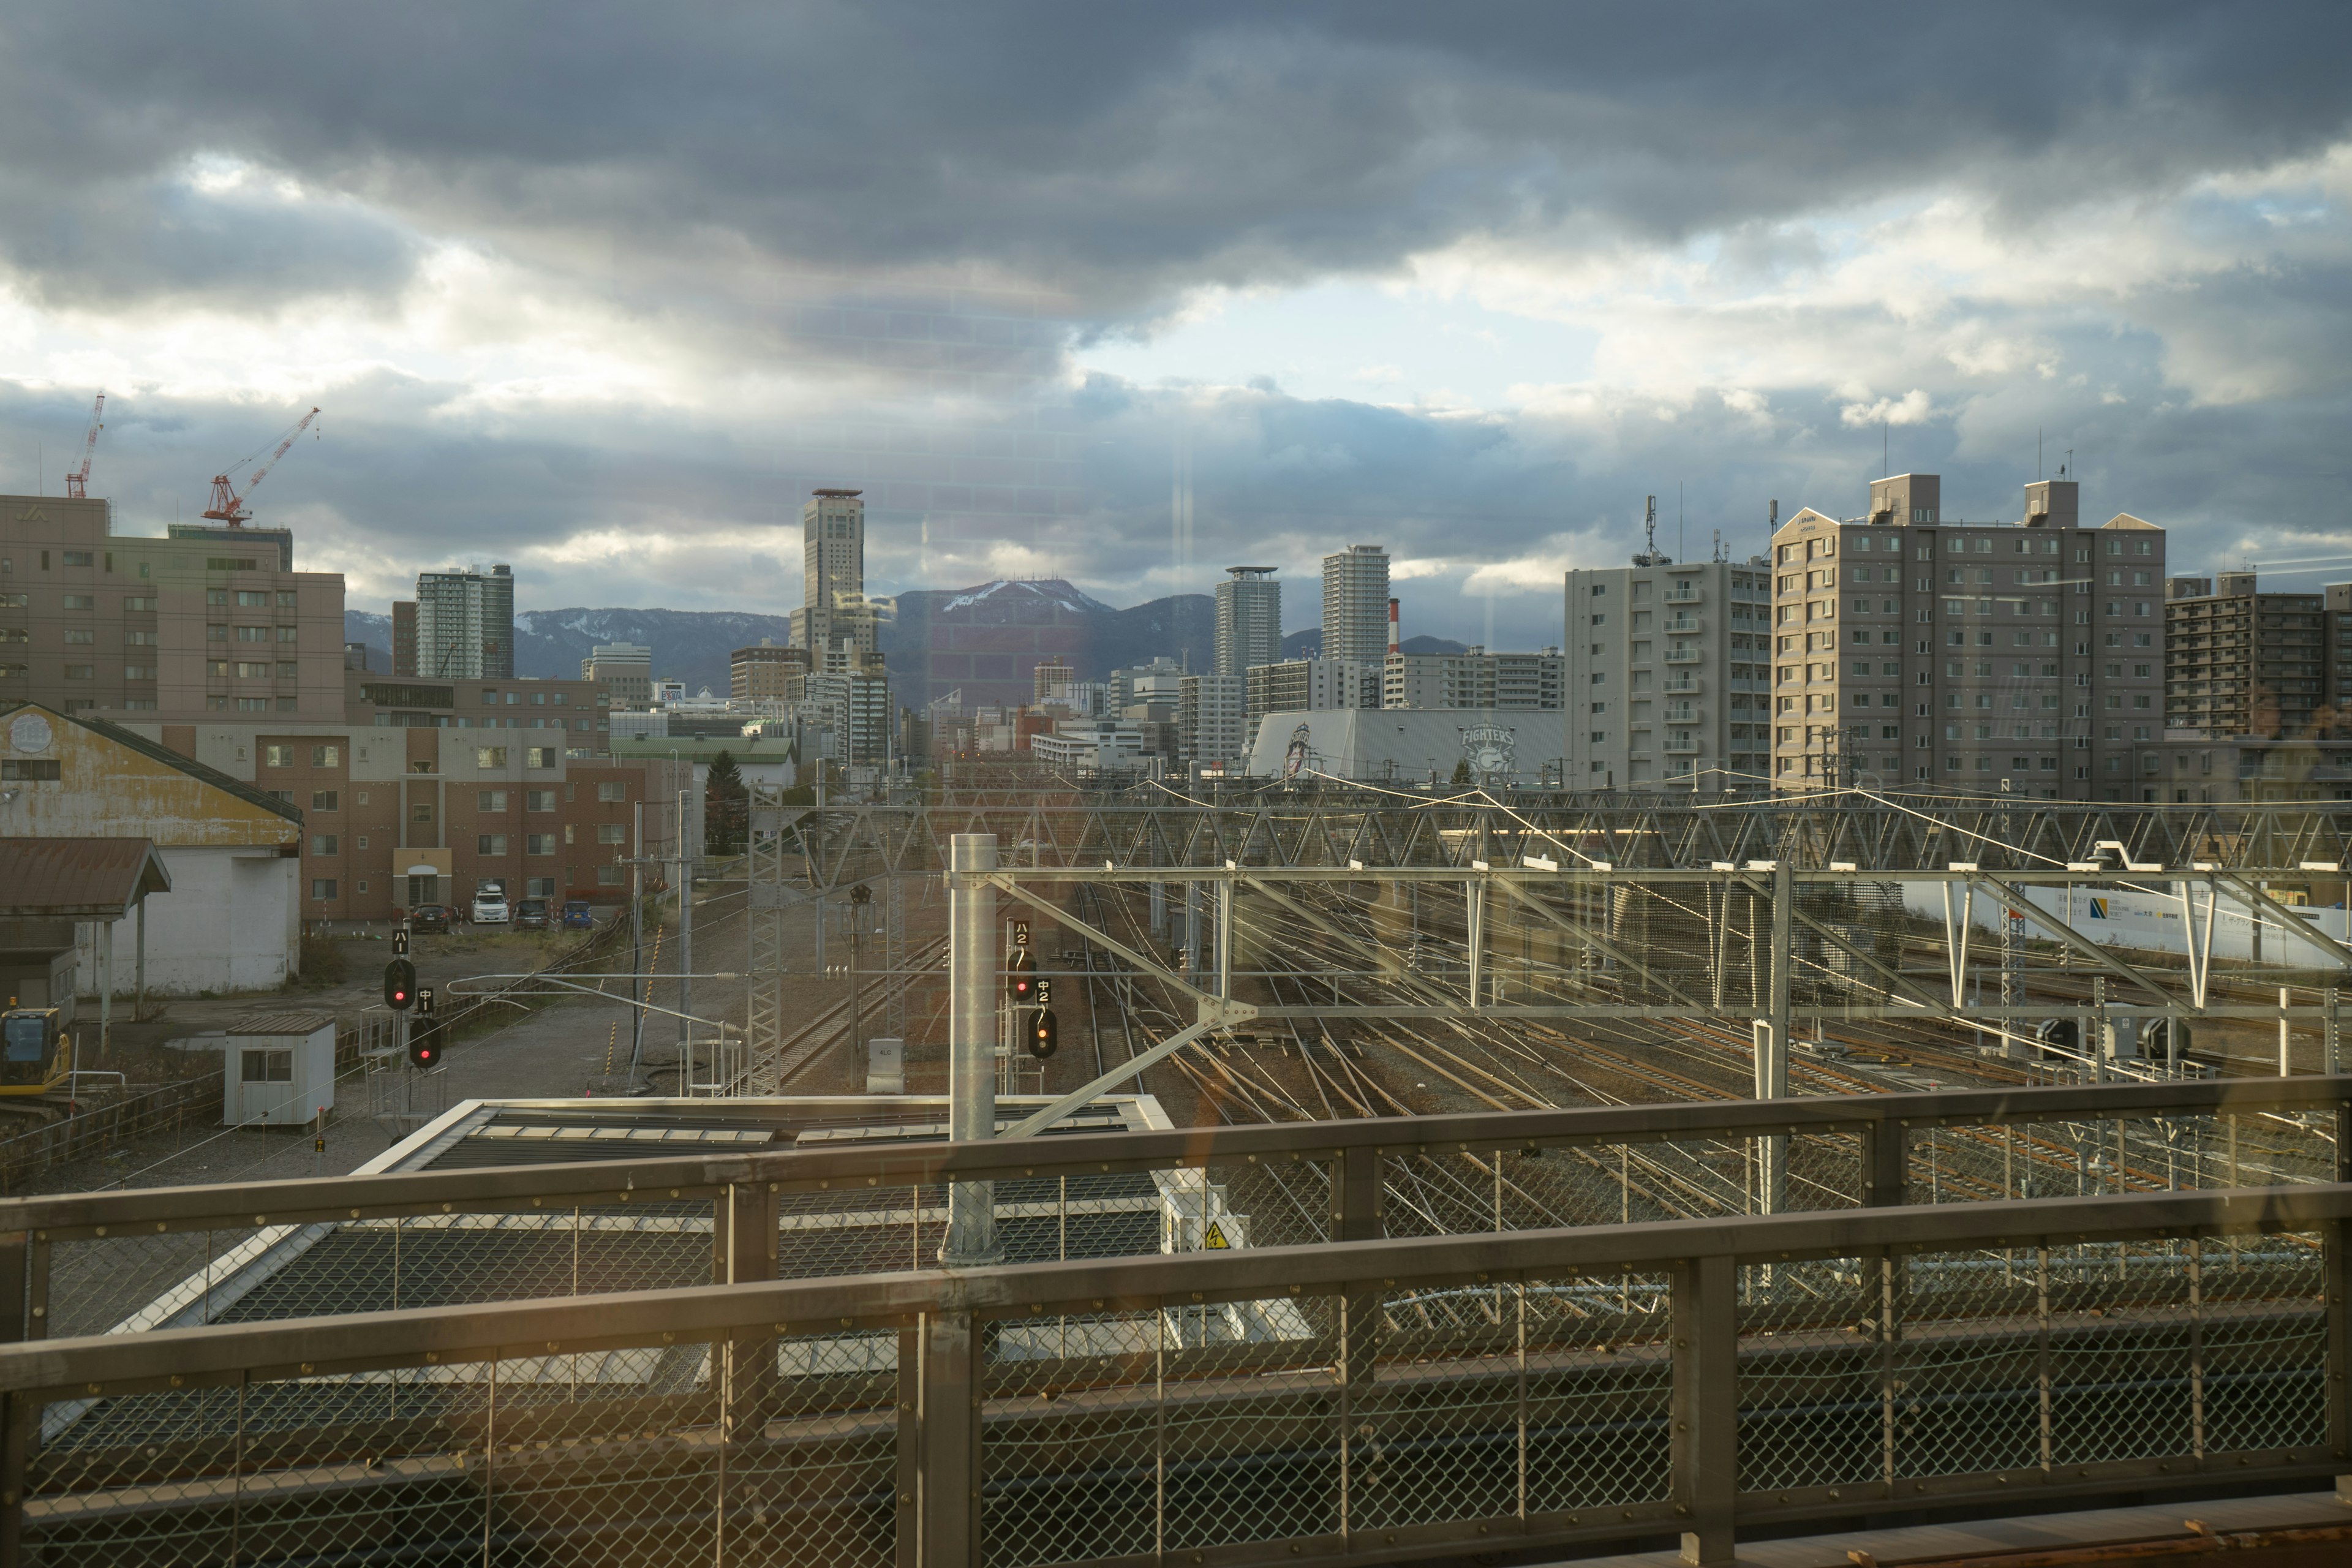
35	1054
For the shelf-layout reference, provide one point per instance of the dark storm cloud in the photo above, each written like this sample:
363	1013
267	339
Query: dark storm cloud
1109	154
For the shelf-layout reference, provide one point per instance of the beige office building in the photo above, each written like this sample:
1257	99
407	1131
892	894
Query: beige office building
91	621
1912	649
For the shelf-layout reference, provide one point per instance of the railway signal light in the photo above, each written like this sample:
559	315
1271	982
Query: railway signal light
400	985
1020	976
1043	1036
425	1045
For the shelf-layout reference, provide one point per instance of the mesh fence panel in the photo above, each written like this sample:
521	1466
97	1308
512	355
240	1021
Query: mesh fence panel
2263	1344
1600	1392
2089	1156
1183	1428
1809	1376
757	1449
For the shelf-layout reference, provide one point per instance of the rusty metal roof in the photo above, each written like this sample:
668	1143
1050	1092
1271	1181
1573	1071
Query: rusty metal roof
78	878
281	1023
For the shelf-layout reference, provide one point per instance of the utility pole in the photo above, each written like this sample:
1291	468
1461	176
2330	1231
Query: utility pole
1772	1043
861	897
973	981
685	949
637	943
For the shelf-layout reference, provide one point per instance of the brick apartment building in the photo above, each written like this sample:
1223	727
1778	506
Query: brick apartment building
424	790
411	791
2025	658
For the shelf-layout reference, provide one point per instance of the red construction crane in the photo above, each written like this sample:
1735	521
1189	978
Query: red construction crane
77	479
228	506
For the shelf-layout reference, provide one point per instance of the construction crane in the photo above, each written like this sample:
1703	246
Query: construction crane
228	506
77	479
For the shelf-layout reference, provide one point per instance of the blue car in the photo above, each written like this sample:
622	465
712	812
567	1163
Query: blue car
576	915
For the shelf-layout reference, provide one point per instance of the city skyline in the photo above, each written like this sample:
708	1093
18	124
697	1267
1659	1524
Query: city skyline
1525	300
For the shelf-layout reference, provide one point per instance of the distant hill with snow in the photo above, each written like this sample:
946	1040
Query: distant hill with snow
691	645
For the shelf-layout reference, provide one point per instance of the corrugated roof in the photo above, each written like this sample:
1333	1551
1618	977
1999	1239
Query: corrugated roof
162	754
281	1023
78	878
2127	520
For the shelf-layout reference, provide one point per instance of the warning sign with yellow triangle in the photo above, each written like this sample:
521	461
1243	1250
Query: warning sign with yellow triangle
1215	1239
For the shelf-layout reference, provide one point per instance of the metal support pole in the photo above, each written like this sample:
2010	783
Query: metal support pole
139	960
1225	938
971	1043
2331	1061
686	953
2286	1066
1474	899
1706	1441
107	986
1772	1043
637	948
1191	932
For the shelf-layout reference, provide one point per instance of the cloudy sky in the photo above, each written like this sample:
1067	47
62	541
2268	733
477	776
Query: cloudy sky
602	289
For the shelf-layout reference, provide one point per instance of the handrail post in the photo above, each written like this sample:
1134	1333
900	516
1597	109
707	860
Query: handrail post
15	1286
1705	1407
947	1420
2336	1265
1357	1206
1885	1163
17	1414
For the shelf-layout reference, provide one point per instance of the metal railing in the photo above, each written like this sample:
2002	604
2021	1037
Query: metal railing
129	1262
1372	1400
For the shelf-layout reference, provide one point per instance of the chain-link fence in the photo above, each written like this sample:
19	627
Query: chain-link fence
1463	1392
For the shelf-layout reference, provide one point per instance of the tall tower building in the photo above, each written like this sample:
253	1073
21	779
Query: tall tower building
1249	619
833	620
2024	659
1356	603
465	625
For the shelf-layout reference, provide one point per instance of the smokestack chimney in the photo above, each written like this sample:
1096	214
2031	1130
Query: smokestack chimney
1393	625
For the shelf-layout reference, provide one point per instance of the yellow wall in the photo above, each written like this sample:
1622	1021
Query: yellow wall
109	791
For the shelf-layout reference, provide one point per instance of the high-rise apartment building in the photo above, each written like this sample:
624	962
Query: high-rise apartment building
91	621
1306	685
1356	603
465	625
1666	678
2241	662
1212	720
1050	673
403	636
626	668
764	672
1474	679
1249	619
2020	657
834	618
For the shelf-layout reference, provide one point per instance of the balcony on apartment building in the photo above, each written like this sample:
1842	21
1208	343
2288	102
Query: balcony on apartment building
1682	653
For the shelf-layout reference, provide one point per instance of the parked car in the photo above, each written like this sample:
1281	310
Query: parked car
530	914
577	916
428	917
490	908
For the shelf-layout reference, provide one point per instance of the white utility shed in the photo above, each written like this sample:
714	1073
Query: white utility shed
277	1070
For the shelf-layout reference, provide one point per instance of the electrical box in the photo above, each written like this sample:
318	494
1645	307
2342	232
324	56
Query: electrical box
886	1066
